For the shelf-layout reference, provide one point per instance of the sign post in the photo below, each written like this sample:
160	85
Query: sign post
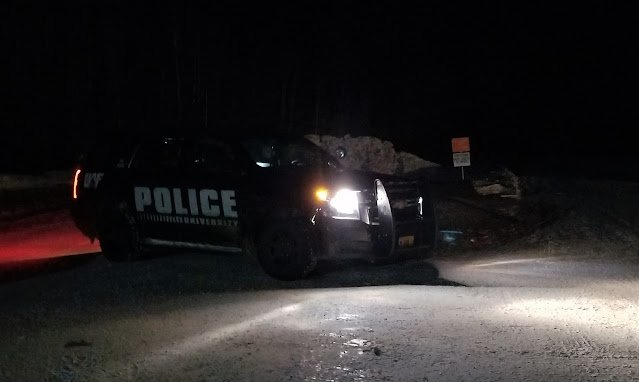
461	153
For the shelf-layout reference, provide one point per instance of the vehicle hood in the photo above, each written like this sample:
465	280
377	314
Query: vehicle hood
300	178
357	179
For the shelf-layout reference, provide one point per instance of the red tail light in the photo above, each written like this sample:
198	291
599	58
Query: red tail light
75	184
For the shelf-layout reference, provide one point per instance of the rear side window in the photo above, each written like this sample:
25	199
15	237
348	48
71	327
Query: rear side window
107	154
158	156
293	152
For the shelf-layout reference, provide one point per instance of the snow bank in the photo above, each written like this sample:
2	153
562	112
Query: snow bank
371	154
501	182
48	179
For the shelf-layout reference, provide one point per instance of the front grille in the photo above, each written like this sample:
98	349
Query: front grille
404	201
368	207
395	209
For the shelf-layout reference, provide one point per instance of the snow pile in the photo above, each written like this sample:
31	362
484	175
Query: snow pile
48	179
501	182
371	154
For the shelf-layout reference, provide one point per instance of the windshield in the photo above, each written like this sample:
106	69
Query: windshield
278	152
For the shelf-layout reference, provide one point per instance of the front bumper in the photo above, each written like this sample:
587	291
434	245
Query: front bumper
354	238
394	218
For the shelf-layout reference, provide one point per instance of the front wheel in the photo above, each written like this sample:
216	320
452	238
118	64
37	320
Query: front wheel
286	250
119	237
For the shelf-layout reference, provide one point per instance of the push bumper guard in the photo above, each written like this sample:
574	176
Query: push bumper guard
395	218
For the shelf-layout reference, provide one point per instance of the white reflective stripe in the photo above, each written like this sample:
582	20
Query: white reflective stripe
185	244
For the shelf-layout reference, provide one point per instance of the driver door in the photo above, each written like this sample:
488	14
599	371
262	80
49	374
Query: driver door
215	176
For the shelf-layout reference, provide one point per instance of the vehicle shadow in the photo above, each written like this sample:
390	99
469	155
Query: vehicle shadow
198	272
202	272
355	273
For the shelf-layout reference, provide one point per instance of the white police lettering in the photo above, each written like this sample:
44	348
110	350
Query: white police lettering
92	179
142	198
205	202
177	197
208	208
193	202
228	202
162	198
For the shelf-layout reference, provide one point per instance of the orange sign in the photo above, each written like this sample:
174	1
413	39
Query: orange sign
461	145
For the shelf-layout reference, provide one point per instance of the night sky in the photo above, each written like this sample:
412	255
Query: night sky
540	87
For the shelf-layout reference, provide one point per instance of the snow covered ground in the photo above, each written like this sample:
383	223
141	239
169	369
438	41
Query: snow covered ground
558	302
23	195
28	181
392	333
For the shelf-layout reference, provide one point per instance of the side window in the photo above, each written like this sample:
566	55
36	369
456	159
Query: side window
158	156
299	154
214	155
263	153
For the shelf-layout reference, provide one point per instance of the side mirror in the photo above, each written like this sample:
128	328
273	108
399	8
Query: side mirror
340	152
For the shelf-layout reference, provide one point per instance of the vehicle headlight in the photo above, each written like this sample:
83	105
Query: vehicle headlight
345	202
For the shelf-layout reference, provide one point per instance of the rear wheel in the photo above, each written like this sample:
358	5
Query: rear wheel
119	237
286	249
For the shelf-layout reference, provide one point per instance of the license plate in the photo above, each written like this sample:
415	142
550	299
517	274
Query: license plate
406	241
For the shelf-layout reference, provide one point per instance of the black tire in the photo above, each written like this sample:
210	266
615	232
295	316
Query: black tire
119	237
286	249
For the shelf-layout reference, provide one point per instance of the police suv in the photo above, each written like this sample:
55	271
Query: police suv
284	199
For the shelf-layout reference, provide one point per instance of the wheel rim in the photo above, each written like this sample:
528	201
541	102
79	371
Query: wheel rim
282	251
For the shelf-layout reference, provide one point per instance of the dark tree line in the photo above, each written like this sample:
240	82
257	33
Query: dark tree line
511	77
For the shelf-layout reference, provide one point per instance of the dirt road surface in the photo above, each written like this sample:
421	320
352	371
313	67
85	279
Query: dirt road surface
560	303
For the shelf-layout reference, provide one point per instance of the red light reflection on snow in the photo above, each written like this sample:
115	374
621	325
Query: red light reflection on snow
43	236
